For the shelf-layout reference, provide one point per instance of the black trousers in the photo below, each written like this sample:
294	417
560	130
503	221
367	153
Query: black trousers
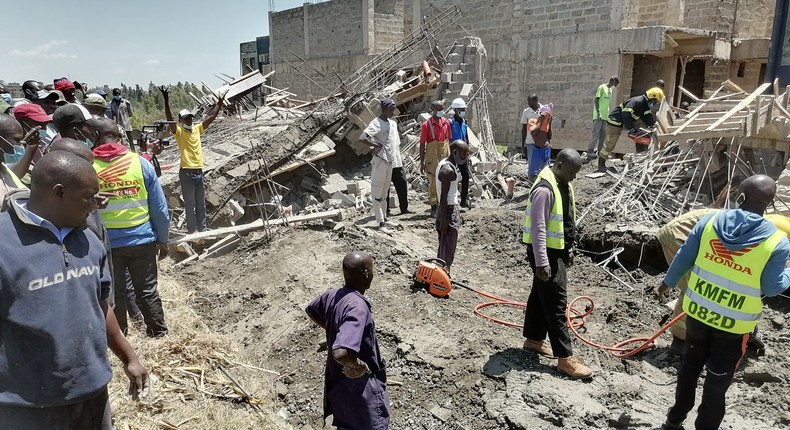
464	168
91	414
546	305
399	180
140	261
721	352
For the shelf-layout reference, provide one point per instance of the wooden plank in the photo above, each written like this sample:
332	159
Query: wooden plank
703	134
745	102
732	87
255	225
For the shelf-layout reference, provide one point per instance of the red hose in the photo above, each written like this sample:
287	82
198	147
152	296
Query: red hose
576	319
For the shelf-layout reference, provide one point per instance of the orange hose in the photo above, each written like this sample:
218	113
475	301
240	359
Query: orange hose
576	319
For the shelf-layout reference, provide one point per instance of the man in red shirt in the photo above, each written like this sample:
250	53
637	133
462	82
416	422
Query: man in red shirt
434	147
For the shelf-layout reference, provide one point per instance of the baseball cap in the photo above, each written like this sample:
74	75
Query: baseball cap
63	84
31	111
185	112
70	114
43	94
94	100
101	93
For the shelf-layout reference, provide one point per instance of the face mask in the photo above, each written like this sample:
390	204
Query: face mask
437	114
87	141
462	114
19	152
116	98
186	127
42	134
7	97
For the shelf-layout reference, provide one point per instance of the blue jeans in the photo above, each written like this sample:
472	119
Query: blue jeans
194	192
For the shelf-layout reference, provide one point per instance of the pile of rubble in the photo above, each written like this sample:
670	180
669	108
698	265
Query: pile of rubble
289	161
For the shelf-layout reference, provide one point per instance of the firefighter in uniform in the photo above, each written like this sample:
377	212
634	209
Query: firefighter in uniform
137	222
434	147
549	232
632	114
734	257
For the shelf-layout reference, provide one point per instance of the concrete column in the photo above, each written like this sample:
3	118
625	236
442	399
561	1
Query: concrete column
306	32
416	20
368	26
271	40
674	12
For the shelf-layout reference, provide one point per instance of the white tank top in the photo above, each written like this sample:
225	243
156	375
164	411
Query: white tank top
452	194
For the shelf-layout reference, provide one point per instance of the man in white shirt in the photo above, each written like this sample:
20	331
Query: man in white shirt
532	111
383	137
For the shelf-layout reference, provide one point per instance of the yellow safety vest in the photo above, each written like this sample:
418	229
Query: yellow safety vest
555	229
724	286
123	177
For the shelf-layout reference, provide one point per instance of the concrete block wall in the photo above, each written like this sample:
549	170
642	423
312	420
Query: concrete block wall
288	28
647	70
755	18
388	24
751	77
716	72
327	39
713	15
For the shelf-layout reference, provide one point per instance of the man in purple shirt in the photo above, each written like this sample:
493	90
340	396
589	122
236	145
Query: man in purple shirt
355	388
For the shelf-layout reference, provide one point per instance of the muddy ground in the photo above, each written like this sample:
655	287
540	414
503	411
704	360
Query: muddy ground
451	369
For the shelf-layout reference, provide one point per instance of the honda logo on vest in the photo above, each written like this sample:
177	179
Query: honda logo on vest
725	257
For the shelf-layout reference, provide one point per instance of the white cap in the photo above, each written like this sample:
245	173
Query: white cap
458	103
184	112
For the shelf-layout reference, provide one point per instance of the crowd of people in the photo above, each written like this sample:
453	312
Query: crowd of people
81	195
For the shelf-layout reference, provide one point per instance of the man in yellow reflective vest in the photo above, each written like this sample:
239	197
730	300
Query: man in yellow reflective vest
549	232
734	257
137	222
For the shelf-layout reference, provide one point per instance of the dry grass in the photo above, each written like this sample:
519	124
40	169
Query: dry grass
197	382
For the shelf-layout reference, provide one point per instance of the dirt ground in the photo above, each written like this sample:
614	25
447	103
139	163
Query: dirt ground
450	369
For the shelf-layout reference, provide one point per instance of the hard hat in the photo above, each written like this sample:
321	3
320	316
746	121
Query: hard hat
655	93
782	223
458	103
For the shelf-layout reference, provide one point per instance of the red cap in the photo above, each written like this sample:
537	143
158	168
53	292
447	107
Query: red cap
32	111
63	84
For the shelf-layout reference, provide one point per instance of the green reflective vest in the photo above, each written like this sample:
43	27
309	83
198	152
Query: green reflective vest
555	231
123	178
724	286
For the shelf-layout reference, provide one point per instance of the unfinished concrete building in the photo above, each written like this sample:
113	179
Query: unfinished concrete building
560	49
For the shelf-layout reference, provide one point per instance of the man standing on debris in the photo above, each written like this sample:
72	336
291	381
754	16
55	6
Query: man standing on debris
734	256
603	95
137	222
448	219
121	110
434	147
55	322
632	115
460	131
532	111
191	148
549	232
383	137
355	388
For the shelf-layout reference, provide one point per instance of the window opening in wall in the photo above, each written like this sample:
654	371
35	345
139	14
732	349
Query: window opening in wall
762	73
741	69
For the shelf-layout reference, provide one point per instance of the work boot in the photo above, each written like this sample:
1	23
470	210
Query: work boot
573	367
678	346
538	346
433	211
601	164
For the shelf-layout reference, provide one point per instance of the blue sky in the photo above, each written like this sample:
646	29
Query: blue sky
131	41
